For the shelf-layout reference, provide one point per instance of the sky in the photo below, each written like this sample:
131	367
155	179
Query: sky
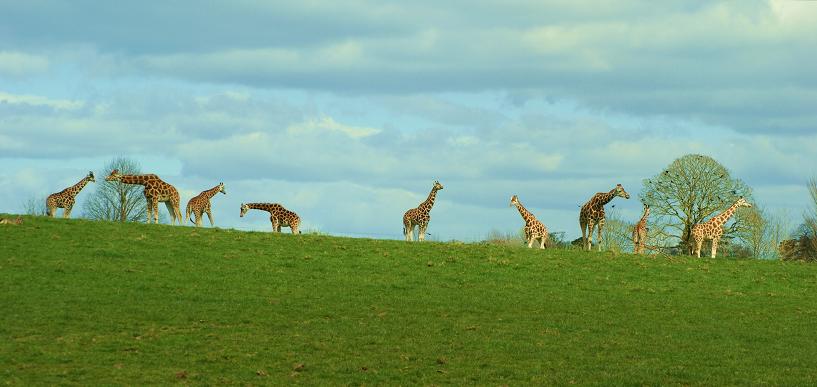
347	112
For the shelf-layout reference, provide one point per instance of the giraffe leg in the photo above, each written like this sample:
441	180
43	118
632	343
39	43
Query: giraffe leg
421	232
171	211
210	216
600	226
583	225
715	246
294	227
589	243
66	212
156	211
410	235
698	244
52	211
542	242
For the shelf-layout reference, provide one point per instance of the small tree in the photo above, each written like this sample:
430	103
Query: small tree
689	191
115	201
617	233
35	206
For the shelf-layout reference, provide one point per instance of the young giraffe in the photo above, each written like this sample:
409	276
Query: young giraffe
65	199
279	216
15	222
640	232
200	204
592	213
420	216
713	228
156	190
534	229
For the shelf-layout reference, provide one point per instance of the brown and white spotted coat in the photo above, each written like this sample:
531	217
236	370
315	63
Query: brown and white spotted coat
156	190
640	232
713	228
592	214
66	198
420	216
200	204
534	229
279	216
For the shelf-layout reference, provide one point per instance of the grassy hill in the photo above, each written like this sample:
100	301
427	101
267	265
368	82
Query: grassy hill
92	302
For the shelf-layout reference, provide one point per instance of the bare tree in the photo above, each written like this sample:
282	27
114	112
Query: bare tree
763	231
35	206
617	233
114	200
689	191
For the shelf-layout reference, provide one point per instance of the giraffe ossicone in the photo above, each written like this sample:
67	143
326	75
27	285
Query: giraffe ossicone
713	228
279	216
66	198
419	216
592	214
156	190
534	229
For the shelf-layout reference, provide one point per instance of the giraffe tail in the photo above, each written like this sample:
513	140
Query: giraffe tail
187	214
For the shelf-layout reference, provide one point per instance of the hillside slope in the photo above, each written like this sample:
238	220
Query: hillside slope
95	302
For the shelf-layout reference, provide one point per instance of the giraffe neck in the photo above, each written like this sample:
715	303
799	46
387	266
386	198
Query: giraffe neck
134	179
644	217
260	206
210	192
724	216
524	211
74	189
605	198
429	202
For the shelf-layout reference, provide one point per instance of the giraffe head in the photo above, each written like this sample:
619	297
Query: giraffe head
620	192
91	177
742	203
514	200
437	185
114	176
221	188
244	209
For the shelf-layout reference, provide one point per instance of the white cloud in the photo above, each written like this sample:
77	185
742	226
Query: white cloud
19	64
35	100
329	124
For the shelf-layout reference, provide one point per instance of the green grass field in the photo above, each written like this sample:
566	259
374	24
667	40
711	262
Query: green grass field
106	303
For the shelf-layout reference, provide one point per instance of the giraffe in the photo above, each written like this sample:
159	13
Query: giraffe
592	213
200	204
156	190
279	216
534	229
65	199
420	216
640	231
14	222
713	228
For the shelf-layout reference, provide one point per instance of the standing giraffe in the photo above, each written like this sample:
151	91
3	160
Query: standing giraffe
420	216
200	204
713	228
279	216
156	190
592	213
534	229
640	231
65	199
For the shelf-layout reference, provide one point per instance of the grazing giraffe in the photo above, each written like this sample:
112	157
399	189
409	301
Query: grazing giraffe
200	204
534	229
156	190
592	213
640	231
279	216
65	199
15	222
420	216
713	228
